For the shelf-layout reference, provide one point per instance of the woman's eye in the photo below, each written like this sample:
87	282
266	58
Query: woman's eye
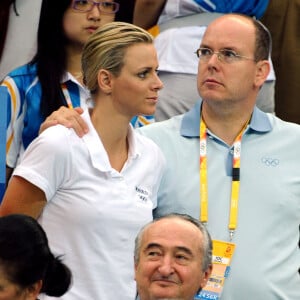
82	2
142	74
107	4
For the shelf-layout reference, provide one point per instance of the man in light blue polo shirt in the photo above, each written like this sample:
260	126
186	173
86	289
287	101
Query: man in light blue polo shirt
249	161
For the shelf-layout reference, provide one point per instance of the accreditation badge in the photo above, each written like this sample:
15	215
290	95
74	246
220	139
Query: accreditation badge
222	255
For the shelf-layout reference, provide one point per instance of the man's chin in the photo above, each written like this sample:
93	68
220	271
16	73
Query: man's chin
163	297
164	292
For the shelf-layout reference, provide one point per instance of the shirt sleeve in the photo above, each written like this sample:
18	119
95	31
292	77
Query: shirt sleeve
15	119
47	162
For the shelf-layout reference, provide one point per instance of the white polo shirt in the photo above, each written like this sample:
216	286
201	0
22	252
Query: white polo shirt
93	212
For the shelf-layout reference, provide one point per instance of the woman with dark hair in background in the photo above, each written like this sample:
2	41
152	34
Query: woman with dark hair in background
125	13
27	266
53	78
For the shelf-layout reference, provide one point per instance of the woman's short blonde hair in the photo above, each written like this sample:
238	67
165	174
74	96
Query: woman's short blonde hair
105	49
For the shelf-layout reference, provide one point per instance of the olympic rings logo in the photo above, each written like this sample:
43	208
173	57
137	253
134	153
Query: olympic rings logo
270	162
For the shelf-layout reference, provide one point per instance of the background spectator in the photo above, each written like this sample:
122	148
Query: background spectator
27	265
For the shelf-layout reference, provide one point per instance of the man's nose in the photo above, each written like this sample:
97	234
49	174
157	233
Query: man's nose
166	267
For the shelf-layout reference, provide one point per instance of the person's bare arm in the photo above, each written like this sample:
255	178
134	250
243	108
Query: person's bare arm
22	197
69	118
147	12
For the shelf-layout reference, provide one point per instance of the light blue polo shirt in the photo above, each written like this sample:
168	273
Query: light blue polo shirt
267	256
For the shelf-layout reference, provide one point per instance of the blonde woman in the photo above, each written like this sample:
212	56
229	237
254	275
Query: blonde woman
92	194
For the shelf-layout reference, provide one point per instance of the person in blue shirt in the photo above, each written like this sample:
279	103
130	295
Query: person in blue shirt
235	167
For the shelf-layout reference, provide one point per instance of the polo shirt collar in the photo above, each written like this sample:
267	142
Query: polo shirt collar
134	149
67	76
191	121
96	149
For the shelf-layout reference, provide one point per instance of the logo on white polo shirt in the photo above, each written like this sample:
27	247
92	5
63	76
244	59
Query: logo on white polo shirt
142	194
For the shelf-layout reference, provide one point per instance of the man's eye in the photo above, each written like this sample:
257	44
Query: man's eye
153	255
205	52
228	53
181	257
